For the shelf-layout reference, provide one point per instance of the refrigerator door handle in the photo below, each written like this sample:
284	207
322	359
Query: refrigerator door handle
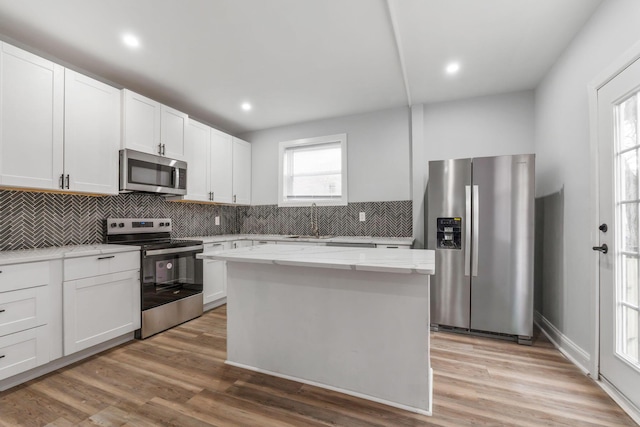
476	221
467	234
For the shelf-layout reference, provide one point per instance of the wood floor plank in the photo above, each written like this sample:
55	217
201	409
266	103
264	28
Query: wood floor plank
179	378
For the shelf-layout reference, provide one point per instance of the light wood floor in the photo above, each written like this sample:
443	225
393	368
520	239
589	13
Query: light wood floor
178	378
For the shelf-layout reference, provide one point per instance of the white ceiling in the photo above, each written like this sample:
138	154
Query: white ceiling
300	60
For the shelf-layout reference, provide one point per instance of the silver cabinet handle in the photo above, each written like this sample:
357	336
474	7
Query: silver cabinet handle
107	257
476	232
467	230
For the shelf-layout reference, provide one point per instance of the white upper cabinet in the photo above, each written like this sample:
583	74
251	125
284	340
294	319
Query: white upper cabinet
91	135
221	171
172	134
31	120
141	123
151	127
241	172
210	163
197	149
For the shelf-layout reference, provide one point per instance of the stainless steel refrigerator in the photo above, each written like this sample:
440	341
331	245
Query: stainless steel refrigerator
480	223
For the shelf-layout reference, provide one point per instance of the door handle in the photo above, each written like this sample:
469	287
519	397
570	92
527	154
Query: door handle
475	231
604	248
467	229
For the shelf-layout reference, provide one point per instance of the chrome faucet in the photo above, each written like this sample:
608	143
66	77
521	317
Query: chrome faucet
315	230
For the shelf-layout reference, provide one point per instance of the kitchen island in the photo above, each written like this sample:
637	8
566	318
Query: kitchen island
353	320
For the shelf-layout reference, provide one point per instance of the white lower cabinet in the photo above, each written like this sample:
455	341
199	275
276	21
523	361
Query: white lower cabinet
30	328
100	307
24	350
241	244
214	273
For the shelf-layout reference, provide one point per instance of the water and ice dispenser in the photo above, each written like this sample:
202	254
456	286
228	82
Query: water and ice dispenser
449	234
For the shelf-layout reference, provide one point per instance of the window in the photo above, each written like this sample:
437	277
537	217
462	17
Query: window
313	170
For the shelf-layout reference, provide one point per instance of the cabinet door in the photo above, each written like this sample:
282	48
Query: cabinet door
214	274
97	309
197	149
172	135
23	351
241	172
31	120
141	123
91	134
221	169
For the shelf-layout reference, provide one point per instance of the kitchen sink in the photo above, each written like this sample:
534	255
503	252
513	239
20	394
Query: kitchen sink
299	236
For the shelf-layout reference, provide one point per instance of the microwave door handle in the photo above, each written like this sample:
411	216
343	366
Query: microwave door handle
176	177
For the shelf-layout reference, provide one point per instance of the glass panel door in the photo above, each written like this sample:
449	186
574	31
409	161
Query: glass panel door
627	146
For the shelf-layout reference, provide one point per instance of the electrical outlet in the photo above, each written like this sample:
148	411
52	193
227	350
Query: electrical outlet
363	216
217	220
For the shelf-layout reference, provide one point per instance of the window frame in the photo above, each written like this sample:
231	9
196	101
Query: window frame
307	142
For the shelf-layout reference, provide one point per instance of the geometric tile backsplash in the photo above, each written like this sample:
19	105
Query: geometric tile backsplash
38	220
383	219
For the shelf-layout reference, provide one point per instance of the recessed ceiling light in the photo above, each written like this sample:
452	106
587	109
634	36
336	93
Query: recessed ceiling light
246	106
131	40
452	68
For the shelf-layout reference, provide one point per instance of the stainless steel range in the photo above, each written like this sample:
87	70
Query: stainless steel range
170	274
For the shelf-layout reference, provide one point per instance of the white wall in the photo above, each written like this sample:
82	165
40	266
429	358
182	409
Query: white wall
492	125
563	160
378	155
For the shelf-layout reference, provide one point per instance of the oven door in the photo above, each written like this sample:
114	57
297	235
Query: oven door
170	274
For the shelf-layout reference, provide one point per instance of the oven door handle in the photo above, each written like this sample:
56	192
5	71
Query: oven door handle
173	250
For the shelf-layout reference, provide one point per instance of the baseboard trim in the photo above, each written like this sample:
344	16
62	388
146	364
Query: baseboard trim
627	406
215	304
568	348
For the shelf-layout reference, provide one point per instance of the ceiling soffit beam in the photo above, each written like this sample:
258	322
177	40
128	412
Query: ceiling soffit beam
391	8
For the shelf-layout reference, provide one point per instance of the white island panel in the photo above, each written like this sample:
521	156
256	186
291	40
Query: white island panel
360	332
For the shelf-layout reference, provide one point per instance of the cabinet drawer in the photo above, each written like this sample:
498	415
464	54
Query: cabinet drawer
78	268
21	276
22	351
393	246
23	309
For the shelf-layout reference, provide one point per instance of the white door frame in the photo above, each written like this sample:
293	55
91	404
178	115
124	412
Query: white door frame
621	63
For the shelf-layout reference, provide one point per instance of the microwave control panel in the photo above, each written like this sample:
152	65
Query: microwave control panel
449	234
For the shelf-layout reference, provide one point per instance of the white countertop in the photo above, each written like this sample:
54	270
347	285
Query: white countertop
418	261
287	238
46	254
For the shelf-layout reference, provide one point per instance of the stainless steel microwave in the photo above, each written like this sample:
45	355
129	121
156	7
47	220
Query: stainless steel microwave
152	174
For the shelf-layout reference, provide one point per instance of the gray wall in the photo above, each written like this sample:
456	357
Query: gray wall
563	160
378	155
478	127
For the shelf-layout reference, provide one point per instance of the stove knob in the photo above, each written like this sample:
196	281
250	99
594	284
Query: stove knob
113	225
167	224
162	224
121	225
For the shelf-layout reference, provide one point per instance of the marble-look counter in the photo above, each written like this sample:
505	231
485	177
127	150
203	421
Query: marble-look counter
63	252
360	259
404	241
